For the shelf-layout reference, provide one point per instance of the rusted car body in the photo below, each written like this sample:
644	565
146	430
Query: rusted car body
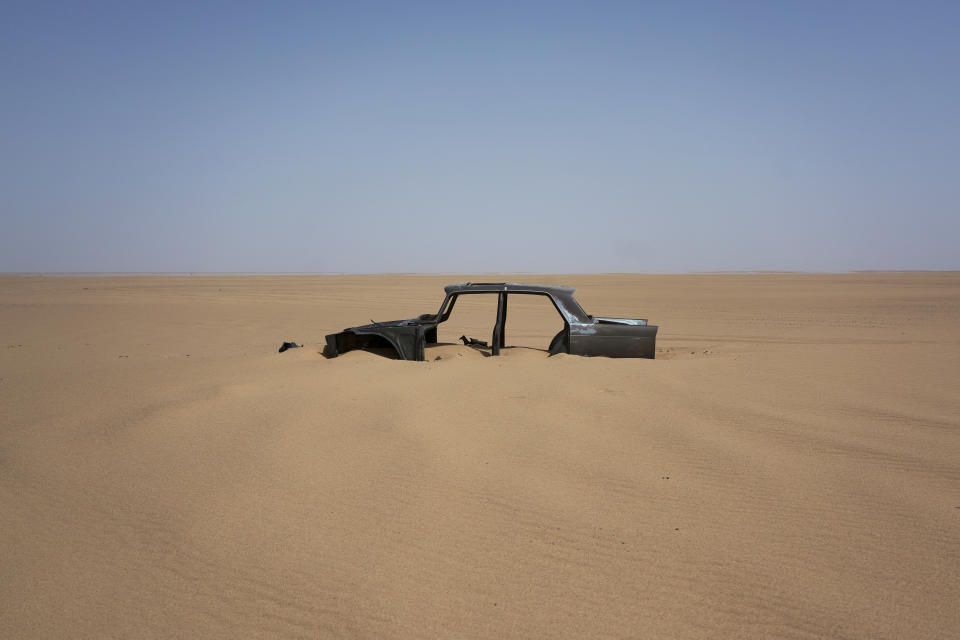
582	334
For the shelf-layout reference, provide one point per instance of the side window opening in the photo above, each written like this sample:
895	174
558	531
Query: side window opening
532	321
473	316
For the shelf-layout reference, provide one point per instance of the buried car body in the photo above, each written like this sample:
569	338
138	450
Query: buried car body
582	334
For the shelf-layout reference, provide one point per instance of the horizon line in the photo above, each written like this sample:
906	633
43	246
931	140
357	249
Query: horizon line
188	274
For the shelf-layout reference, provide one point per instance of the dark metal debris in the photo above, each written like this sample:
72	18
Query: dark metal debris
289	345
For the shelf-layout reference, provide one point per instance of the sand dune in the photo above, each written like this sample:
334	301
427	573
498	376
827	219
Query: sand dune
788	466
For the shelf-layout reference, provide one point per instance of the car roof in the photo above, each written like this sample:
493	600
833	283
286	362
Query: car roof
562	296
518	287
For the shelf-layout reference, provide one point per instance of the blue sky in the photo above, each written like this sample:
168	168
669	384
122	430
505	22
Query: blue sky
479	137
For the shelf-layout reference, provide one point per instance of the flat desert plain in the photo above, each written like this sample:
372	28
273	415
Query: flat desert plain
787	467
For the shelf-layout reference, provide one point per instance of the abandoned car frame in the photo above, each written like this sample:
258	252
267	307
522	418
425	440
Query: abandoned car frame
582	334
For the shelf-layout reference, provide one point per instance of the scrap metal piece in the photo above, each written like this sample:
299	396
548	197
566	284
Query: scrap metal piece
582	334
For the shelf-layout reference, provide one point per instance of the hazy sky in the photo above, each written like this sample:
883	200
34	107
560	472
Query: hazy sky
478	137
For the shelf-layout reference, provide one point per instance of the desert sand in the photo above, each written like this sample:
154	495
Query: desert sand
788	466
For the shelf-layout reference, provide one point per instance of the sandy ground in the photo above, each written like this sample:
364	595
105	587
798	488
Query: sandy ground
788	466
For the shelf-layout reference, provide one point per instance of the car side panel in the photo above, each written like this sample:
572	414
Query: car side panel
614	340
408	340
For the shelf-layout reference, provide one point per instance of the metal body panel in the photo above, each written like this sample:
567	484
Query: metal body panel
407	340
614	340
582	334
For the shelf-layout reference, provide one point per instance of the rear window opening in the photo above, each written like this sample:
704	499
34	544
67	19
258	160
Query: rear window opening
371	344
473	316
